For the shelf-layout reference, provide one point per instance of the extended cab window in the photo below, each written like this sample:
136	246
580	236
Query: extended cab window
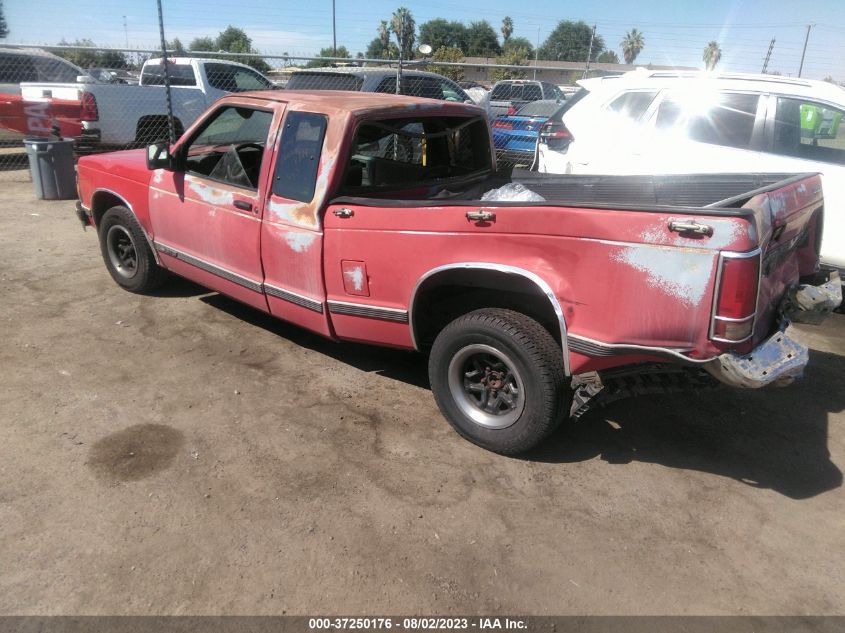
230	147
810	130
396	153
234	78
299	156
722	119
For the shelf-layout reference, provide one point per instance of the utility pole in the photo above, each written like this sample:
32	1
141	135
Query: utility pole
537	52
170	128
399	65
126	31
334	33
768	56
589	53
804	52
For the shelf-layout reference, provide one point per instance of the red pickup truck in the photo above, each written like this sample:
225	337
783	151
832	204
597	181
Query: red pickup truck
360	216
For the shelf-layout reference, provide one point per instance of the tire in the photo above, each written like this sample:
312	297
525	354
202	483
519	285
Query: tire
516	362
126	252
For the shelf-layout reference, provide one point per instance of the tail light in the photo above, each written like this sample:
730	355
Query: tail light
502	125
735	305
89	108
555	135
511	110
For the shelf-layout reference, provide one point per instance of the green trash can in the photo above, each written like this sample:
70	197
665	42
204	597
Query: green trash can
51	166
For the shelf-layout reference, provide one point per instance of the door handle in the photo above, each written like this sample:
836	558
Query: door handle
344	213
690	227
481	216
243	205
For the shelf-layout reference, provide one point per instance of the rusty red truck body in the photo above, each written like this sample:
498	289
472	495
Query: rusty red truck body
381	219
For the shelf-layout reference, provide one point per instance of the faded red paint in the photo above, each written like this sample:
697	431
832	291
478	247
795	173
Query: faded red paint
37	118
619	276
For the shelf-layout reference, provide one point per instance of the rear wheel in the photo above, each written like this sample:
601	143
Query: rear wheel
497	376
126	252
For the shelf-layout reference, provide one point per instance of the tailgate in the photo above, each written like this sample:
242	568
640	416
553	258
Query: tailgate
789	223
44	104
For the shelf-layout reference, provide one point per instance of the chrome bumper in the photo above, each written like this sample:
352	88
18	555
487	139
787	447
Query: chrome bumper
780	359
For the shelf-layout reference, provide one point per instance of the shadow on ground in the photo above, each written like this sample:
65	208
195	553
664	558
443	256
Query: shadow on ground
773	438
407	367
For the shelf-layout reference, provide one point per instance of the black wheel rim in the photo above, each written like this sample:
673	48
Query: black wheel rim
121	251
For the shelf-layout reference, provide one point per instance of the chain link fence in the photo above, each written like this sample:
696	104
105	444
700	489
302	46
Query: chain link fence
108	99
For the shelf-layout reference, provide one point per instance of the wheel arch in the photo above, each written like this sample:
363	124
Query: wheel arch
483	278
104	199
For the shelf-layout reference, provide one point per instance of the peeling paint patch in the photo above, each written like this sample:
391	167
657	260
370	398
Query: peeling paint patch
300	213
356	278
682	274
299	242
211	195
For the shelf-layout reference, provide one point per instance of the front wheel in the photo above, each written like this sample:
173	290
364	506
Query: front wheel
126	252
497	376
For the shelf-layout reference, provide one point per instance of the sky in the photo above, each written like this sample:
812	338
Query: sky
675	31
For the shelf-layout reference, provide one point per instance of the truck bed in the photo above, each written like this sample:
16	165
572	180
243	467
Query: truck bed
708	194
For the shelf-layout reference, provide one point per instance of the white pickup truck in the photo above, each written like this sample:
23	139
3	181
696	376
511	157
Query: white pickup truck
116	115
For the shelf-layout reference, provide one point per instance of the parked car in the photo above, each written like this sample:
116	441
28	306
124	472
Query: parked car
515	136
509	95
415	83
116	115
650	122
32	119
360	217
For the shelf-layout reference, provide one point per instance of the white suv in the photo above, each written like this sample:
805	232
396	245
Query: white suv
655	122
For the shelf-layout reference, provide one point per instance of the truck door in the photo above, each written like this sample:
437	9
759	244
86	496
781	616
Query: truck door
291	234
207	218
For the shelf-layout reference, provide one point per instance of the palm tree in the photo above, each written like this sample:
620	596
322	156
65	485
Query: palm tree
632	44
384	36
507	29
403	26
712	55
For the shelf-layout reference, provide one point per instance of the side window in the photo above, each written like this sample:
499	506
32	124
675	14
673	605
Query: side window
727	120
234	78
295	177
427	87
809	130
632	104
58	70
230	147
17	68
387	85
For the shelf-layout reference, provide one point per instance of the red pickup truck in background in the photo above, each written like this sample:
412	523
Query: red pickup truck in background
379	218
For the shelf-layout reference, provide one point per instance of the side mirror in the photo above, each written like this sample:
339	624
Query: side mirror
159	157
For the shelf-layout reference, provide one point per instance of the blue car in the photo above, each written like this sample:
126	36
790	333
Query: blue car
515	135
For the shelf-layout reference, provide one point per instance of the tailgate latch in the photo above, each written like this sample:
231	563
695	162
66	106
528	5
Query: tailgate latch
690	227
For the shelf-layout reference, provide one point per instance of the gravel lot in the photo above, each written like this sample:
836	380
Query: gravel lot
182	454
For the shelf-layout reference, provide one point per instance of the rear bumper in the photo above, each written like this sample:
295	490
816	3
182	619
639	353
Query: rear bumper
780	359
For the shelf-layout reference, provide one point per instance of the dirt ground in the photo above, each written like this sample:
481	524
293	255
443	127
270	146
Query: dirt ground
183	454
